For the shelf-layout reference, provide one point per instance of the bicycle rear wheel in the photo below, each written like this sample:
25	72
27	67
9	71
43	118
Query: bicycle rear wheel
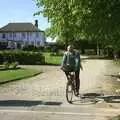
69	92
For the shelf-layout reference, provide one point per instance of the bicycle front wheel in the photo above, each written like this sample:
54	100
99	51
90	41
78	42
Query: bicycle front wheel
69	92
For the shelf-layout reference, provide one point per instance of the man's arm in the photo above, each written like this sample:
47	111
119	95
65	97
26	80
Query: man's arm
81	64
64	60
78	61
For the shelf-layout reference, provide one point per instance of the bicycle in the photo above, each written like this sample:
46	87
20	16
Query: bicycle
70	87
71	90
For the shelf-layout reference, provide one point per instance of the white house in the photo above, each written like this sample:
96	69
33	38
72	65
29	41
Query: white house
17	35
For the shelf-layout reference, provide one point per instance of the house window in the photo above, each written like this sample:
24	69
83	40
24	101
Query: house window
10	35
37	34
23	35
14	35
3	36
30	34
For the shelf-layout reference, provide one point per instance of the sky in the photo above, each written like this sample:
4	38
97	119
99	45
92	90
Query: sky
20	11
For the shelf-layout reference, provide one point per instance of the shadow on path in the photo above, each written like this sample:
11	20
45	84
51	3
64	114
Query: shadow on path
115	76
96	97
26	103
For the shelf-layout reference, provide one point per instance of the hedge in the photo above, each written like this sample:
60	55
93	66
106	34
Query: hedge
22	57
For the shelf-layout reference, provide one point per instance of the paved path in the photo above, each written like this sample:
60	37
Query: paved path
43	97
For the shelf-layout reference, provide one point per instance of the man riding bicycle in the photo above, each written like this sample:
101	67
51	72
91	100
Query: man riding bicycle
71	63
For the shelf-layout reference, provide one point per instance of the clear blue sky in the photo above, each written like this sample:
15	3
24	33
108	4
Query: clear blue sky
20	11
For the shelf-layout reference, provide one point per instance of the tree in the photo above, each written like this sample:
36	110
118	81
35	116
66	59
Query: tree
92	19
61	15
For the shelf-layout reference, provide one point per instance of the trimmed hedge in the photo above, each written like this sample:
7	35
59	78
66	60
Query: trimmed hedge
33	48
22	57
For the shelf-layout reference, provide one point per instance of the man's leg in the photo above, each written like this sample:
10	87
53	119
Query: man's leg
77	80
66	73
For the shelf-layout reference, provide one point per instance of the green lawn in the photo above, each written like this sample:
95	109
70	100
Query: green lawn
116	118
10	75
53	60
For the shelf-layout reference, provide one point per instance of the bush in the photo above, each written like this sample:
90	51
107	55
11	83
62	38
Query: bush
23	57
54	49
90	52
33	48
47	49
6	65
30	48
14	65
41	48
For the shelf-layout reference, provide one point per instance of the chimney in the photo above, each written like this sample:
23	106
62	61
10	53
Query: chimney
36	23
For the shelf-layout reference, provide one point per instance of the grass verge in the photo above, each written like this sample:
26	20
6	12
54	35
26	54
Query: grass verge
116	118
18	74
52	60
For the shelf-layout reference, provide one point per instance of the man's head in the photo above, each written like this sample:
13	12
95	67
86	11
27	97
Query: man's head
70	48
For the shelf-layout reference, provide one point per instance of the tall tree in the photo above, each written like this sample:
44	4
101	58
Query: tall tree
92	19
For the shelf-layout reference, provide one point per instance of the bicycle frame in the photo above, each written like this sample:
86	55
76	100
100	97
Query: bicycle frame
71	76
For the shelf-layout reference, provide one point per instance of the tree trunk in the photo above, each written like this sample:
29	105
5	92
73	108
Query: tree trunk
82	50
98	49
95	51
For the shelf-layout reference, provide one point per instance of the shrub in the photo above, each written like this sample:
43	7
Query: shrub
30	48
33	48
47	49
6	65
51	48
23	57
54	49
41	48
14	65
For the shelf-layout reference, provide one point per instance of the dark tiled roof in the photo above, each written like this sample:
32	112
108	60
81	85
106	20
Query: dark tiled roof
19	27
